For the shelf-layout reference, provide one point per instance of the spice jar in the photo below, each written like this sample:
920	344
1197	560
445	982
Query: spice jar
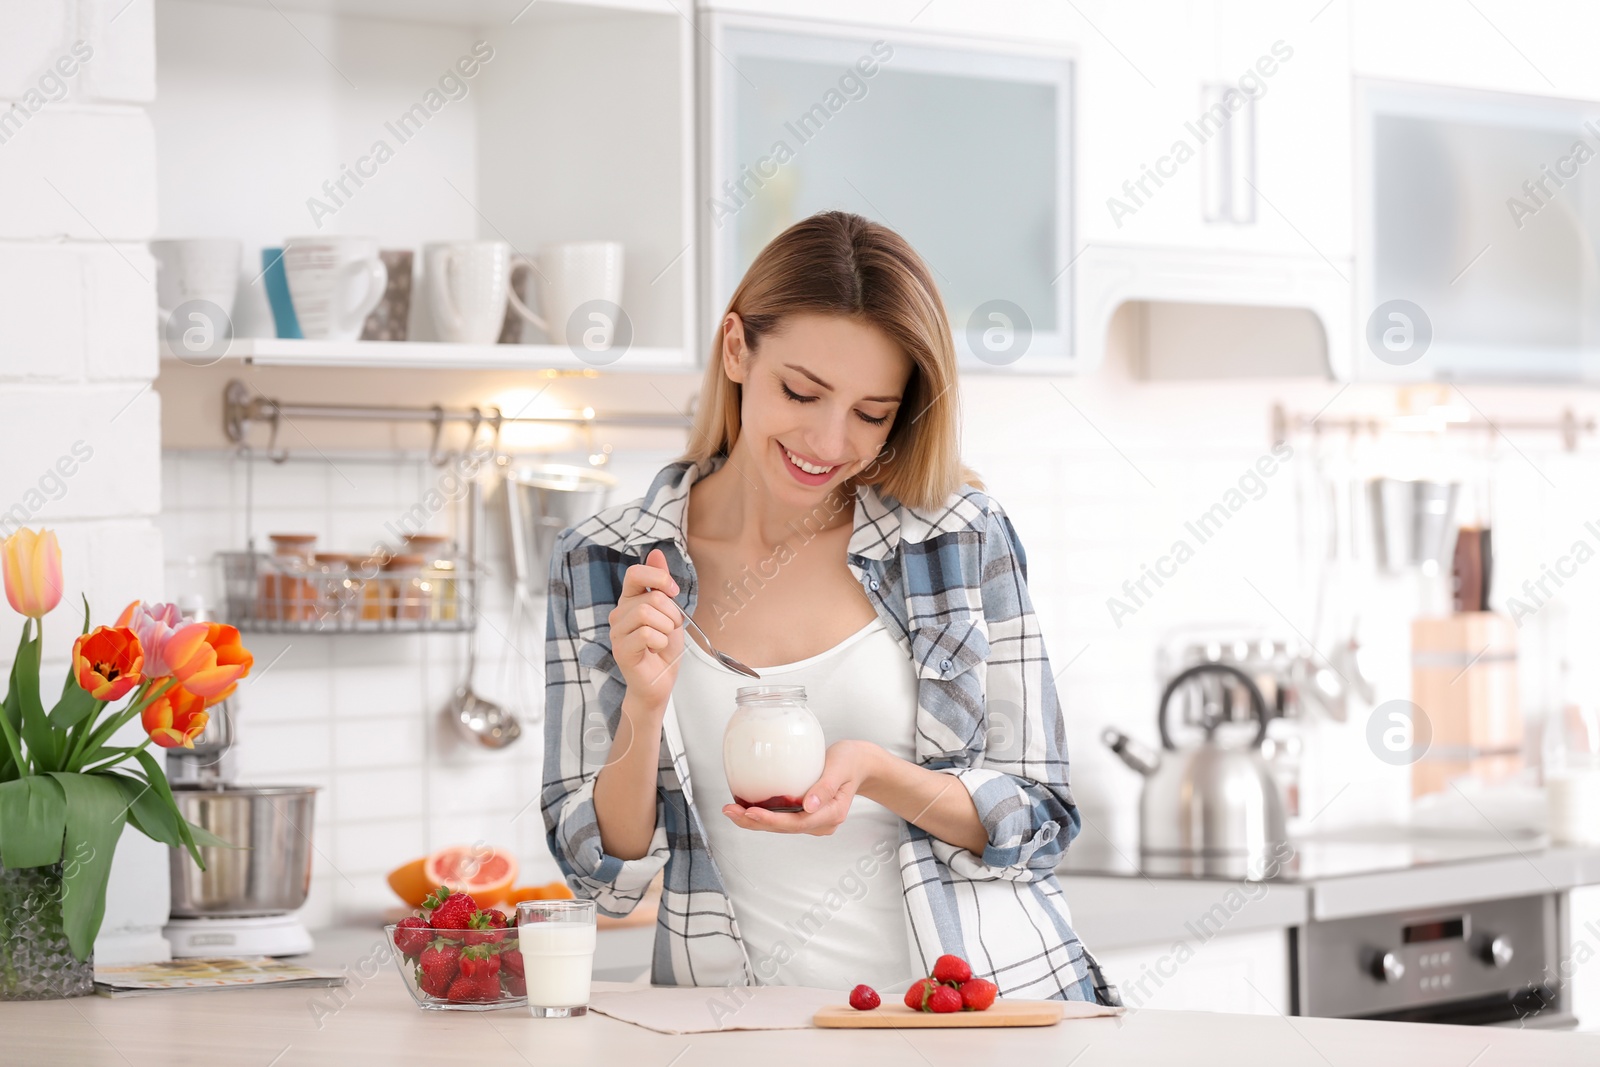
337	595
773	749
287	591
441	575
427	545
407	593
371	589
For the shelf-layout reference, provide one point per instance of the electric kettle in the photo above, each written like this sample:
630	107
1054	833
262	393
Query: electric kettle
1210	803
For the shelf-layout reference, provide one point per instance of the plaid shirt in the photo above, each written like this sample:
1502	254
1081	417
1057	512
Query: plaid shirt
950	584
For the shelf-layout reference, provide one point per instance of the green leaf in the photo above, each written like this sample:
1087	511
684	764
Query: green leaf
33	816
75	705
69	682
206	839
158	782
43	742
96	811
150	815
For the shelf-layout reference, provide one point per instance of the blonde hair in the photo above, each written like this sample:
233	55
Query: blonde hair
838	263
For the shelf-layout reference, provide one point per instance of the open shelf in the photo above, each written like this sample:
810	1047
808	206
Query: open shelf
430	355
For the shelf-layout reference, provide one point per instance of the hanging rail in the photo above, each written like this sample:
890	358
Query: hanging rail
240	408
1569	426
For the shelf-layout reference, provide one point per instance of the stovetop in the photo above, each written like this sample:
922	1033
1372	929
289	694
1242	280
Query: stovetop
1313	858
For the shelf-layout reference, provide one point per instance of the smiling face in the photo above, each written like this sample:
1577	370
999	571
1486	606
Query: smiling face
817	401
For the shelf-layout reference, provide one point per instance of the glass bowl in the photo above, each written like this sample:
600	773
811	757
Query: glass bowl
446	989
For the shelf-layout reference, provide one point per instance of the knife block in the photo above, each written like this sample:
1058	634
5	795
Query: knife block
1464	678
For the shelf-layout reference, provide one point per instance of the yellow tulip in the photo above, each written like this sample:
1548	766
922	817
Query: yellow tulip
32	564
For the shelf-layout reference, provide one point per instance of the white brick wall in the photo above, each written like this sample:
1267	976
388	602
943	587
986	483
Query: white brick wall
78	348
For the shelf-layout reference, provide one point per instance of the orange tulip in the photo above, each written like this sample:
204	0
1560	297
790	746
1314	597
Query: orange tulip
32	563
222	660
175	718
107	662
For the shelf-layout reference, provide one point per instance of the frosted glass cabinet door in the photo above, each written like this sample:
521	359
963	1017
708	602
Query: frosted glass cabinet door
965	152
1483	211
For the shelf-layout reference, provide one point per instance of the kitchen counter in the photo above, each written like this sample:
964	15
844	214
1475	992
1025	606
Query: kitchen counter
373	1021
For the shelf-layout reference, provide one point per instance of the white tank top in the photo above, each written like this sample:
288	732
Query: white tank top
813	911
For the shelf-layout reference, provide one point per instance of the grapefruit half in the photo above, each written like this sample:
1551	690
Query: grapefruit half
486	873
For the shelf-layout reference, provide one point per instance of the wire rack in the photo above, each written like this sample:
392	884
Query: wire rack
264	593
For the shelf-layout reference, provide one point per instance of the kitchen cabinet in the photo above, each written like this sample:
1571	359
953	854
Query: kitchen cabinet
1247	973
1580	958
964	148
578	124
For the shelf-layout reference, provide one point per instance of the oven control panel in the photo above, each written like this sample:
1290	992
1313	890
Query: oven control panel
1382	963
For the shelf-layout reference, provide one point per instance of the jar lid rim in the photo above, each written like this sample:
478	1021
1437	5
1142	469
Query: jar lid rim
769	692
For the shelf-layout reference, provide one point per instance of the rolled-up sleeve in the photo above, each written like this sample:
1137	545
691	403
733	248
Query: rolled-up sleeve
581	719
1017	774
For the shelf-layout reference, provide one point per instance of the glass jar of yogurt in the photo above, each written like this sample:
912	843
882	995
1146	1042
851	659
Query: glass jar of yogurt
773	749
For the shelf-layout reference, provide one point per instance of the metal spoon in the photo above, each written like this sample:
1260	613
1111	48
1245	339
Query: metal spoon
721	657
478	719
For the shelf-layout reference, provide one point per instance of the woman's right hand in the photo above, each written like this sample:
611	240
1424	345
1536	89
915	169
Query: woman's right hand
647	633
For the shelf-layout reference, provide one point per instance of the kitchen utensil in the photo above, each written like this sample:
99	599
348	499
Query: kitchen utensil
478	719
389	320
1471	569
1411	521
1207	800
1000	1013
580	293
268	872
542	500
1464	680
468	284
284	322
481	720
335	282
721	657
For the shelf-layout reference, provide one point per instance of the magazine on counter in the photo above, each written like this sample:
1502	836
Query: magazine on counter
222	972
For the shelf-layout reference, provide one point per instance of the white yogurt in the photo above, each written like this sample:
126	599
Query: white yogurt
772	752
558	960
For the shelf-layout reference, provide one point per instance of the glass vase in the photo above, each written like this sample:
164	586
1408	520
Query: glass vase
36	962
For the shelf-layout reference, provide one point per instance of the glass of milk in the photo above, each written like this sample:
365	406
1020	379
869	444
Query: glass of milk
557	942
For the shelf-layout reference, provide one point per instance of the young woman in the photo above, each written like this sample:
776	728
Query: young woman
822	530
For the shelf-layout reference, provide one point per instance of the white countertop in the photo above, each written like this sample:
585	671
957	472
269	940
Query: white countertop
378	1024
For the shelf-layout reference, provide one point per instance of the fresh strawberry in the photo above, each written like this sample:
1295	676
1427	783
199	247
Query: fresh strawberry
490	920
468	989
411	936
477	961
917	995
864	998
449	911
511	961
944	999
978	993
952	969
515	985
437	967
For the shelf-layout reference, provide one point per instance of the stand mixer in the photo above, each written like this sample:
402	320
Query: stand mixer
244	902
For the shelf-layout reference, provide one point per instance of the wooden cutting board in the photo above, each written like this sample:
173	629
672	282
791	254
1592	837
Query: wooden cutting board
898	1016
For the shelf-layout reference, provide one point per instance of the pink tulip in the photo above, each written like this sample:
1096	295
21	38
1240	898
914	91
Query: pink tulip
171	646
32	563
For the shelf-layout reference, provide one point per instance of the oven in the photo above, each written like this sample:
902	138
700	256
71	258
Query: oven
1493	962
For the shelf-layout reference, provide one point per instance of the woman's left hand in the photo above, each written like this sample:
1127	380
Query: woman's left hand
845	771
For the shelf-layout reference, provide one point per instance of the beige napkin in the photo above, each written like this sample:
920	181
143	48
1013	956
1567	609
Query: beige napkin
706	1009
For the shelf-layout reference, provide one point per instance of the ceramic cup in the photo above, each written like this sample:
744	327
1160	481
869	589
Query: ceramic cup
468	284
388	321
335	282
580	291
196	281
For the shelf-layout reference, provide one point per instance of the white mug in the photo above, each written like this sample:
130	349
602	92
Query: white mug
572	275
468	283
196	268
334	282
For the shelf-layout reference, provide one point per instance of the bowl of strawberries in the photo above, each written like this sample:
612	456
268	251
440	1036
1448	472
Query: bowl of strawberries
455	956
